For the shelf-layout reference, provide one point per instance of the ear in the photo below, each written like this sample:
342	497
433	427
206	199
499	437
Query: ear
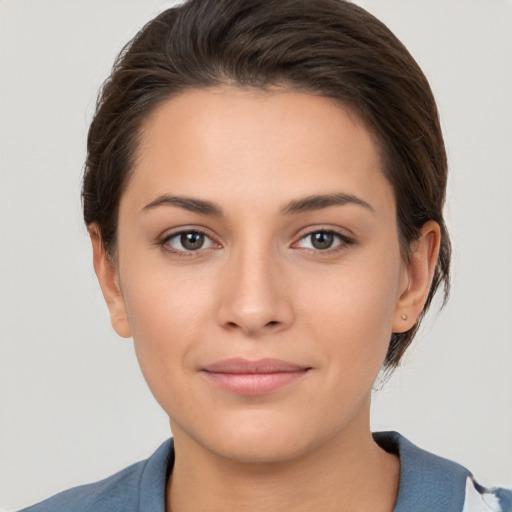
420	271
108	277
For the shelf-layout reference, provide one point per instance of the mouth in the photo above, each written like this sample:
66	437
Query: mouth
252	378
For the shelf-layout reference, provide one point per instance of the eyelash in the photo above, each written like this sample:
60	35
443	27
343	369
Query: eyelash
343	242
184	253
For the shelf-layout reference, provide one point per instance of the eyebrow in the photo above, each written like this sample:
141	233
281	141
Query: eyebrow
319	202
306	204
187	203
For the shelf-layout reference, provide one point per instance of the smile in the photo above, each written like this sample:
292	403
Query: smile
253	378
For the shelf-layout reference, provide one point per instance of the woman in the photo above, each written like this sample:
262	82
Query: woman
264	189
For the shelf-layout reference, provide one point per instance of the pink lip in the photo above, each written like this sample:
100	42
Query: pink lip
252	378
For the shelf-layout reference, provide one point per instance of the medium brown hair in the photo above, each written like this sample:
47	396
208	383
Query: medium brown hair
330	48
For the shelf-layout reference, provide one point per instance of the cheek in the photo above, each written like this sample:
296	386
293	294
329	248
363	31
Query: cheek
351	308
361	295
166	312
158	313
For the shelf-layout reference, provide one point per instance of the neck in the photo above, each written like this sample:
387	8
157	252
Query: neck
349	472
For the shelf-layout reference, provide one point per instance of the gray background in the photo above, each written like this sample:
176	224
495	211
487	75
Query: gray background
73	406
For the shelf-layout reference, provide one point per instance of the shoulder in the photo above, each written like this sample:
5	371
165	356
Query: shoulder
112	493
486	499
140	486
429	482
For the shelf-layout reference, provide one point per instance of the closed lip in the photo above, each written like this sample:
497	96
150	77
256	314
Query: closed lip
253	378
240	366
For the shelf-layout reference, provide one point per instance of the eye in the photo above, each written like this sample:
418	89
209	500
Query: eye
322	240
188	241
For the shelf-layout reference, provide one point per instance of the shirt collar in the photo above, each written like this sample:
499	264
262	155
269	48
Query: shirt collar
427	482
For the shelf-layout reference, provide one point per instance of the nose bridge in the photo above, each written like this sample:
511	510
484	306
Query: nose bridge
256	296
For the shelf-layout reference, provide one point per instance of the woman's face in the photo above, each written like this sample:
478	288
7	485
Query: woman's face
259	270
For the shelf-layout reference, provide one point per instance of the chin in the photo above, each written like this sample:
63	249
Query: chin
258	438
261	449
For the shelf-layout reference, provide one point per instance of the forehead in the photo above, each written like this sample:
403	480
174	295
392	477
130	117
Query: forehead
233	141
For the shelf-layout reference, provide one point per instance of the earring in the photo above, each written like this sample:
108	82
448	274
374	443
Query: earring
404	317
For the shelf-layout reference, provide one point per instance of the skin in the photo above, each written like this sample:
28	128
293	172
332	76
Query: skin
259	288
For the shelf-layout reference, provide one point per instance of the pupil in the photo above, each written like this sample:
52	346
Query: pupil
322	240
192	241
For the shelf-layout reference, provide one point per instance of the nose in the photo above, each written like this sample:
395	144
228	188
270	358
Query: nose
256	298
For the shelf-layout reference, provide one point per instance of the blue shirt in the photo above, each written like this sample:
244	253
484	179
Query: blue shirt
428	483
